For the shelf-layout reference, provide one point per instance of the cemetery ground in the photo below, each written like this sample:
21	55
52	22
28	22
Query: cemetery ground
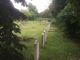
30	31
57	47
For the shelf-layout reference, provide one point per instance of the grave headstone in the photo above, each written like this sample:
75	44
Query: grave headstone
36	50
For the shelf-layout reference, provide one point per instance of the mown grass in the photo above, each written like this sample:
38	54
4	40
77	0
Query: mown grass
59	48
30	31
32	28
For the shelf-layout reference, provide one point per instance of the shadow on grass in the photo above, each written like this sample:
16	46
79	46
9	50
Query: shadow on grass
73	38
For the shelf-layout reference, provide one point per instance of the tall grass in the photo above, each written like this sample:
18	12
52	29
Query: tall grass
59	48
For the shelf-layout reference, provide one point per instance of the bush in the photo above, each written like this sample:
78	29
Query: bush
68	22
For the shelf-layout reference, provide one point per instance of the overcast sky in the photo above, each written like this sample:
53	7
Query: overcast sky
41	5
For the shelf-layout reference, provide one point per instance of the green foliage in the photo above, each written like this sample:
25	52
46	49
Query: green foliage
58	47
67	13
30	31
46	14
10	46
56	6
31	13
68	22
32	8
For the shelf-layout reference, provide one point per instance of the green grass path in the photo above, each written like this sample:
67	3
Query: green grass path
56	48
59	48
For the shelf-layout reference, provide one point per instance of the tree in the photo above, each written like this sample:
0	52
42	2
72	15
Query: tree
56	6
33	11
68	19
10	47
67	13
46	14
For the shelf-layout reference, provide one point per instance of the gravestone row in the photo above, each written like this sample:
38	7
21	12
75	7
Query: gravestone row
36	44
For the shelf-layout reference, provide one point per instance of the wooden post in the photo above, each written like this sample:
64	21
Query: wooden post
36	51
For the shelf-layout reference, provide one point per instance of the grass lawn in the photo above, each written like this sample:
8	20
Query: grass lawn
59	48
56	48
30	31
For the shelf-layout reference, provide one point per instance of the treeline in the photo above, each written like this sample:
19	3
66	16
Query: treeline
67	14
31	12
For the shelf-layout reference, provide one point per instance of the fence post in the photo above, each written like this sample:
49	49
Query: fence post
36	51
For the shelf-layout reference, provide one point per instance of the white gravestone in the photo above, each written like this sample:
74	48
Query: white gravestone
36	51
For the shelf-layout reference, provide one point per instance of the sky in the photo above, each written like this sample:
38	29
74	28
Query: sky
41	5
